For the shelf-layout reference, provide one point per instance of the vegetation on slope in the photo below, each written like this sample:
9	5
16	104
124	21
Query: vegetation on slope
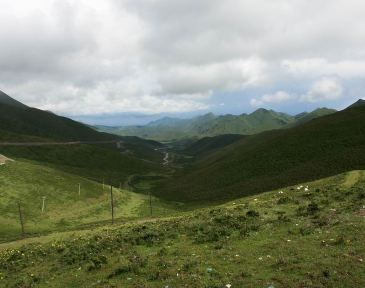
26	183
295	237
172	129
319	148
19	123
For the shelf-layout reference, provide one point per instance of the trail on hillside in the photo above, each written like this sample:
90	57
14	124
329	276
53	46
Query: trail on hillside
166	159
55	143
3	159
351	178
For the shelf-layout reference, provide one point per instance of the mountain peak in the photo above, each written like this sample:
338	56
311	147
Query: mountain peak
358	103
260	111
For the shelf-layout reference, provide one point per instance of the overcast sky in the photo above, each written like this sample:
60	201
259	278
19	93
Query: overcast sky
90	58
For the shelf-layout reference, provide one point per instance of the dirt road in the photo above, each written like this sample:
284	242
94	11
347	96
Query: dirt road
54	143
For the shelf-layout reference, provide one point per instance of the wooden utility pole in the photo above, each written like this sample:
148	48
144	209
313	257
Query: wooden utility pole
21	218
150	204
112	202
43	203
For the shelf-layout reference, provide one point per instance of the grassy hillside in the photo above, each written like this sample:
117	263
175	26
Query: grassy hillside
91	161
286	238
6	99
210	144
27	182
319	148
19	123
34	122
172	129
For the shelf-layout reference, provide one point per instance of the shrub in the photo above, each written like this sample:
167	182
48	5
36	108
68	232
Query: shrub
252	213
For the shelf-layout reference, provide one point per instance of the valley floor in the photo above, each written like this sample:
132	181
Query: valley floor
309	235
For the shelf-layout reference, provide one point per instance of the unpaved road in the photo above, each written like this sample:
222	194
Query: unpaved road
55	143
166	159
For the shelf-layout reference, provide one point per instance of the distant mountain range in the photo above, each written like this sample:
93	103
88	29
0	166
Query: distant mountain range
169	129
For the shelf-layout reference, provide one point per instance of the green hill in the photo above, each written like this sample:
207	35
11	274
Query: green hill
210	144
172	129
322	147
19	123
307	237
28	182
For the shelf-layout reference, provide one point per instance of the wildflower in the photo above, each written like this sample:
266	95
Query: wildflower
209	270
260	258
228	285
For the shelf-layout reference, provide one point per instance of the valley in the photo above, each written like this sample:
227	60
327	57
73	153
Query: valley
81	208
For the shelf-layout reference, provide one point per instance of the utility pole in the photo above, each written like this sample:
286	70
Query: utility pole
112	202
43	203
21	218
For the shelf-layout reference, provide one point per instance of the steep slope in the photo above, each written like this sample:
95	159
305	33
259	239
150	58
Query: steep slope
6	99
358	103
39	123
319	148
210	144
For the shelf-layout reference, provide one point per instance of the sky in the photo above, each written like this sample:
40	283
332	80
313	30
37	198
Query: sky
120	62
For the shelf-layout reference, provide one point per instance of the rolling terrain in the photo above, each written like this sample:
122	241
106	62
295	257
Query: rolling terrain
173	129
322	147
70	201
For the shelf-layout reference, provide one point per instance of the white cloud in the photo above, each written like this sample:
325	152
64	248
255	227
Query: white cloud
324	89
278	97
91	56
320	66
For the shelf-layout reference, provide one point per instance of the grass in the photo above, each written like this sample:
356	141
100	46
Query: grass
27	182
285	238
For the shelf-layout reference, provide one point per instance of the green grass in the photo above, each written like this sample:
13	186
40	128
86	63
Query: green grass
91	161
27	182
284	238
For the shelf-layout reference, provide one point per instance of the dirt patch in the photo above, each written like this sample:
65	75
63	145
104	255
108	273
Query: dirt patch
3	159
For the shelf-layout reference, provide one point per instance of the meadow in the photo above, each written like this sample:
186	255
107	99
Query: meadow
308	235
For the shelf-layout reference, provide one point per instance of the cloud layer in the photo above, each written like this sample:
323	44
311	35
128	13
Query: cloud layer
152	56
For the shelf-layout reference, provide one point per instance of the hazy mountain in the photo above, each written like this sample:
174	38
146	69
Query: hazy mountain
168	128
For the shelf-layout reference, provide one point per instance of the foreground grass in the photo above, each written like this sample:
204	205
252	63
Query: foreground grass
294	237
27	183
